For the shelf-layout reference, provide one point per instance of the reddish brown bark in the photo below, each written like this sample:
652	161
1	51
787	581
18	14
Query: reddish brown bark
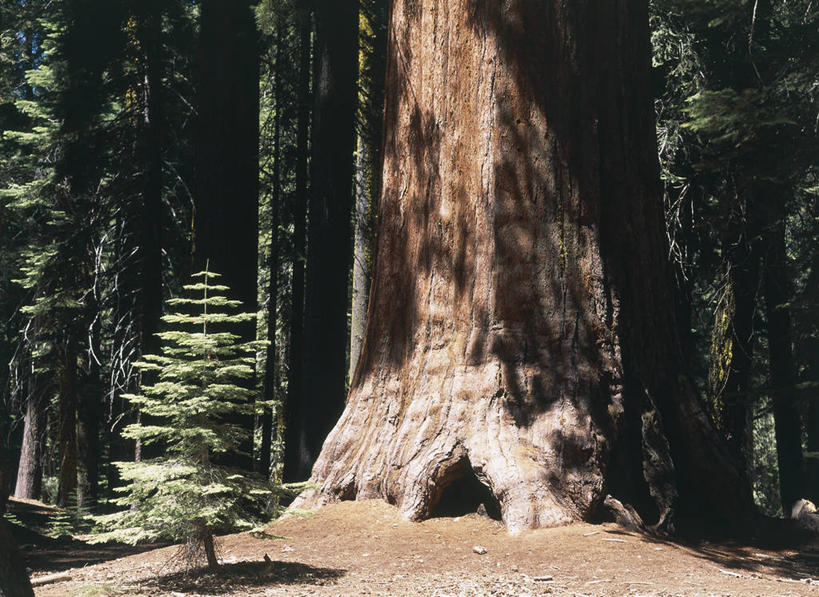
521	330
30	468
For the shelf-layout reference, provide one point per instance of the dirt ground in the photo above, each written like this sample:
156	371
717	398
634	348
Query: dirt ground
365	548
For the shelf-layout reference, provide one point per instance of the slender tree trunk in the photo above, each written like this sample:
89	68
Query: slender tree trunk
30	468
522	306
210	549
68	399
271	380
778	295
329	232
736	350
226	218
294	447
362	254
812	463
149	30
372	50
810	356
90	409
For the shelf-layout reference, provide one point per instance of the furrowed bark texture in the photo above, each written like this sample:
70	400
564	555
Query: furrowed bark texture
521	328
30	468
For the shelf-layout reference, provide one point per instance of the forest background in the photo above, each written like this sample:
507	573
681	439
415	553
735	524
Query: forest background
142	139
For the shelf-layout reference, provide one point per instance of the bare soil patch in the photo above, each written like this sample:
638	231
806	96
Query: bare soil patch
365	548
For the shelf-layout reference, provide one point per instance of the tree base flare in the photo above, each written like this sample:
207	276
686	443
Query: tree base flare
544	471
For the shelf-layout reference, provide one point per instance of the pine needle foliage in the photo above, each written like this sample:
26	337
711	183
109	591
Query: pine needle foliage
201	381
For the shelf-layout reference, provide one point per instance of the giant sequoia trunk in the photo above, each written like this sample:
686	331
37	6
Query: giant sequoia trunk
521	347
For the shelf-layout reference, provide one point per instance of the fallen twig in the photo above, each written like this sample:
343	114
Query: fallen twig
51	578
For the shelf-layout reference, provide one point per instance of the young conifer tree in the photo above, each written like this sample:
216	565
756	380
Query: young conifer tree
184	494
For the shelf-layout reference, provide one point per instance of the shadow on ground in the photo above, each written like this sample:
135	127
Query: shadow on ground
29	525
230	578
778	547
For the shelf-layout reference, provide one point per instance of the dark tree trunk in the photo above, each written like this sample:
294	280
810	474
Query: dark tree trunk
812	463
148	29
14	580
324	372
67	399
149	32
89	419
810	374
30	468
778	295
521	336
210	550
226	219
293	447
227	148
732	389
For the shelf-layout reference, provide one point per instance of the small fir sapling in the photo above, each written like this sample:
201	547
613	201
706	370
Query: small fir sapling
185	494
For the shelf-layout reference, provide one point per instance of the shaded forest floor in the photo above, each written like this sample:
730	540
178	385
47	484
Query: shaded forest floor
365	548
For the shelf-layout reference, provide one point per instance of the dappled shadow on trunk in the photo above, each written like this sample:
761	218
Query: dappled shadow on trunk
521	316
577	175
230	578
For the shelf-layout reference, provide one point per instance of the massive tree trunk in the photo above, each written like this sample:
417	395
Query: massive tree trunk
521	348
324	376
227	168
